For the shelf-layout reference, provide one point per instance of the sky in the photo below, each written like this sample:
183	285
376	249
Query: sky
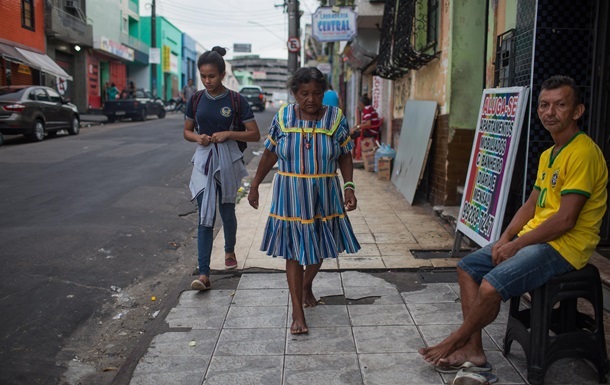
227	22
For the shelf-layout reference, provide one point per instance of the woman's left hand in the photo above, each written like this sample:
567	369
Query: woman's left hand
219	137
350	200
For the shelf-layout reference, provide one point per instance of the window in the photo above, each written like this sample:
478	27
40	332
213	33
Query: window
41	95
27	14
54	96
504	74
425	25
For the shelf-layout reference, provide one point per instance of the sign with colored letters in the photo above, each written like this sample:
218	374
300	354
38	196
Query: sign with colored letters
491	163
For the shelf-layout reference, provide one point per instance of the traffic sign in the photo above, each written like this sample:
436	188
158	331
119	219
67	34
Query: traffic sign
294	44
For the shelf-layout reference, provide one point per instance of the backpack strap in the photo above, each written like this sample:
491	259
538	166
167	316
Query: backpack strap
236	106
195	98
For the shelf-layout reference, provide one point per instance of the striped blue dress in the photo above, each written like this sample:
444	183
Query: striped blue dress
308	222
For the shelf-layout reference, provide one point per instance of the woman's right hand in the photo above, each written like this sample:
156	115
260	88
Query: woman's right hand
253	197
204	139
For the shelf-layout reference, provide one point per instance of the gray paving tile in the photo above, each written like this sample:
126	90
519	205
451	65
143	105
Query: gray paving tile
433	334
333	369
179	343
375	315
261	297
263	281
161	370
496	332
195	298
358	279
256	317
324	316
387	339
503	368
204	317
321	341
232	370
436	313
570	371
397	369
251	342
326	291
387	296
328	280
432	292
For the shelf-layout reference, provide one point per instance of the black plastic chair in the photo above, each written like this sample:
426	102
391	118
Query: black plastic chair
548	334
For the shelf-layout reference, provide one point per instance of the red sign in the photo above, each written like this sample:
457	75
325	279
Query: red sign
294	44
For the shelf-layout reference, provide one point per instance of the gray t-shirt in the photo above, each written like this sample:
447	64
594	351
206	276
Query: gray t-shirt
188	91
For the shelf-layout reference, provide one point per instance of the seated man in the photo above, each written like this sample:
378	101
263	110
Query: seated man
368	118
554	232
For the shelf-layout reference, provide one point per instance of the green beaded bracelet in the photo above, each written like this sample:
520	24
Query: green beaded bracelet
349	185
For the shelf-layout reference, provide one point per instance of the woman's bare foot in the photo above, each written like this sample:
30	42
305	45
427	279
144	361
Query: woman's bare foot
299	326
309	300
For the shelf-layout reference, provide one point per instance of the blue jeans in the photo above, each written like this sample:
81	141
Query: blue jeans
530	268
205	235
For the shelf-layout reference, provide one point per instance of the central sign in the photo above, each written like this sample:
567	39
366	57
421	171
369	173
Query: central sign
334	24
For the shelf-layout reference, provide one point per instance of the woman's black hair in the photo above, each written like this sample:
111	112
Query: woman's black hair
364	99
306	75
213	57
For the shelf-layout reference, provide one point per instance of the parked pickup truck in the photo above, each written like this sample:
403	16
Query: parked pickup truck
138	108
255	96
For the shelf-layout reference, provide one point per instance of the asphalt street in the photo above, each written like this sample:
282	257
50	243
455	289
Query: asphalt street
84	218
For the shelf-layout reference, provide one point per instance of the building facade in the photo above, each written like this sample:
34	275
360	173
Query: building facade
270	74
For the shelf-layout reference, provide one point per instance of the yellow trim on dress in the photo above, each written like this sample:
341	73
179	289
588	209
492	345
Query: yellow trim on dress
319	130
307	175
349	138
306	221
271	140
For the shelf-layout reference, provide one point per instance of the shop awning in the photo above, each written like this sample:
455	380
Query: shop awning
10	53
43	63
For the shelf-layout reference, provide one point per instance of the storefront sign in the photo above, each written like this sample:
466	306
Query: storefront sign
334	24
116	49
491	163
165	58
23	69
173	63
377	93
154	56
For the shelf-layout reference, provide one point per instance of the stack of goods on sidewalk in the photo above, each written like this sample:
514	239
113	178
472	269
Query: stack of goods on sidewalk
368	148
383	161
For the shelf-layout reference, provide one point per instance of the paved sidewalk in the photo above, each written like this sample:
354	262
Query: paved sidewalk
386	226
376	309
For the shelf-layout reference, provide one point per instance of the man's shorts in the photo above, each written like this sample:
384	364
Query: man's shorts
530	268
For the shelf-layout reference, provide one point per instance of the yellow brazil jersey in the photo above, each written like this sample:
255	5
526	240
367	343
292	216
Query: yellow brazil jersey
578	168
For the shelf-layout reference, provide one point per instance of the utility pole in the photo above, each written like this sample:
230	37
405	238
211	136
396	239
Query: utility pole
153	44
294	24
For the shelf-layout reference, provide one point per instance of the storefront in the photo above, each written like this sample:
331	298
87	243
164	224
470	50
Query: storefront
107	65
19	66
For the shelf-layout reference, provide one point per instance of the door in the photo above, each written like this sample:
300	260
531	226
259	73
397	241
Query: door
56	117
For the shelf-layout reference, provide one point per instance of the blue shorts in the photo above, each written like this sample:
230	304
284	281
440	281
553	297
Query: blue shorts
530	268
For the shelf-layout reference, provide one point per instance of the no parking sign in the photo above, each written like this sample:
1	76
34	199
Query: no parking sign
62	85
294	44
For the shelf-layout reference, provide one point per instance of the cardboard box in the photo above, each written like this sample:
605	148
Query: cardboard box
384	168
368	159
367	144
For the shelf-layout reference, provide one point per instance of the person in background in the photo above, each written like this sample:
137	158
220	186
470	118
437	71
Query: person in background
308	221
218	165
555	231
187	92
112	92
331	98
368	118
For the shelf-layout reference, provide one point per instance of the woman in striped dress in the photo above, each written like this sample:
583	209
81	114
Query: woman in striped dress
308	220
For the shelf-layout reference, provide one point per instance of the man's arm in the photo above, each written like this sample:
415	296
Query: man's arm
555	226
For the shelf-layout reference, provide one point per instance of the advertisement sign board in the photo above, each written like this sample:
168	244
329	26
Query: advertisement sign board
491	163
334	24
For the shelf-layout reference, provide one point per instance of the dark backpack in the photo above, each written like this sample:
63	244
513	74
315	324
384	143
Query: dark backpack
236	125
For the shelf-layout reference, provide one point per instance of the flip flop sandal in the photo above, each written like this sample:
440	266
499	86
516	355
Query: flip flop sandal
469	378
230	263
467	366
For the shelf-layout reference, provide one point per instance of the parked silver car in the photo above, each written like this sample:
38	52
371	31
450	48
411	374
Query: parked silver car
34	111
